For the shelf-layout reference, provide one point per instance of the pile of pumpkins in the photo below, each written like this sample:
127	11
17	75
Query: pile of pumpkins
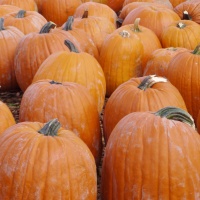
134	63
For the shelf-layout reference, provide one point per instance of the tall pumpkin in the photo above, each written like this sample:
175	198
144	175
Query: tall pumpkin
69	102
152	156
148	93
44	161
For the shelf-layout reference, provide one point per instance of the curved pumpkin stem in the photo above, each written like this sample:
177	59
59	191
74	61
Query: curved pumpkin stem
71	46
50	128
186	15
2	24
85	14
21	14
151	80
54	82
177	114
47	27
136	25
68	24
197	50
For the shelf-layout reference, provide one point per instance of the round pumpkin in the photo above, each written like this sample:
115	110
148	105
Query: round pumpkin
152	155
7	9
69	102
6	117
148	93
45	161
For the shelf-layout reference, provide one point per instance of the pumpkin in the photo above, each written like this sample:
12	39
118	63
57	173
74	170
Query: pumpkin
45	161
40	44
25	21
192	7
183	73
6	9
10	37
178	32
153	17
69	102
6	117
75	66
176	2
152	155
23	4
149	93
58	11
120	58
159	60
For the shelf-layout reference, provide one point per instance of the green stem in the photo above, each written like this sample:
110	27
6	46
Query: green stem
21	14
2	24
177	114
47	27
197	50
149	81
50	128
136	25
68	24
71	46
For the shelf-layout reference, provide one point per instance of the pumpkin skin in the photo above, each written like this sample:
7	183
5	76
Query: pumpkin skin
23	4
183	73
178	32
120	58
75	66
25	21
128	97
10	37
151	157
6	117
45	166
159	60
69	102
153	17
6	9
41	45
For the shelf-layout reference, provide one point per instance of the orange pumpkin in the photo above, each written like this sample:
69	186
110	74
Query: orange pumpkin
75	66
69	102
10	37
6	9
25	21
45	161
6	117
152	156
139	94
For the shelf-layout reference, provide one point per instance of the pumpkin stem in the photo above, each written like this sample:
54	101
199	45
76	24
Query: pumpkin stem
47	27
177	114
54	82
85	14
186	15
50	128
181	25
2	24
136	25
151	80
124	34
68	24
21	14
197	50
71	46
119	22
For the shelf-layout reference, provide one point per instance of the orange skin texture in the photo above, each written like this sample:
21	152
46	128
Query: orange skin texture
6	9
80	67
159	60
129	98
31	22
69	102
149	157
192	7
174	36
121	59
6	117
35	166
9	40
25	5
153	17
32	50
183	72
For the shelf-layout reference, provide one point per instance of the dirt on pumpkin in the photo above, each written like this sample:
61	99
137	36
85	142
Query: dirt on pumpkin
13	100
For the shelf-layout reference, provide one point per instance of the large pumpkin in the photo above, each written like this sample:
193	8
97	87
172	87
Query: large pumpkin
152	155
69	102
43	161
148	93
